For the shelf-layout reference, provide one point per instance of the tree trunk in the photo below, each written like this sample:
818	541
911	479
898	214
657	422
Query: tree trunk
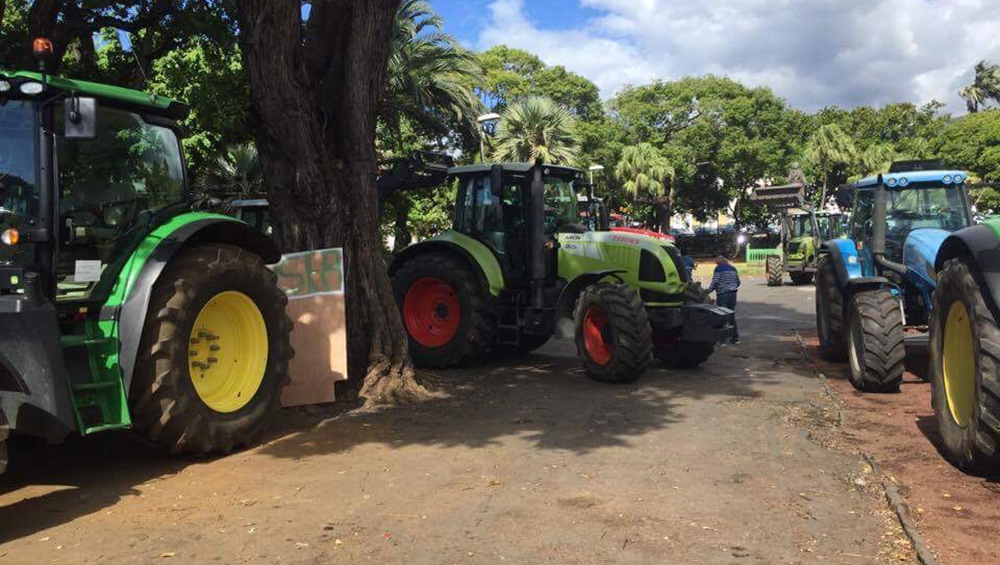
402	233
822	198
663	210
314	96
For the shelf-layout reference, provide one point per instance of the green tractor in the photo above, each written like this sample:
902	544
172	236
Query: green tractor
518	268
802	231
120	307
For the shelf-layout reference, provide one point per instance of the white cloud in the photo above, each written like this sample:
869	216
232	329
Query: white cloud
812	52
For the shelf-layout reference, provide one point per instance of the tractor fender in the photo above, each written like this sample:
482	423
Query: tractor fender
982	245
847	266
566	304
158	248
476	255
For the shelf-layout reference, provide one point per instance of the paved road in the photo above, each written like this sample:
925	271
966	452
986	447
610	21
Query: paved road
523	461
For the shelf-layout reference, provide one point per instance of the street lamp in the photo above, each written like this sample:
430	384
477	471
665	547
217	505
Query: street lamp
594	168
483	120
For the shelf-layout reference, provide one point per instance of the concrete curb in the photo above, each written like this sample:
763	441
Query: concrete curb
896	502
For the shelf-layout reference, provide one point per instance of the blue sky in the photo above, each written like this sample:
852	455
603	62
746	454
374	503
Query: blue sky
811	52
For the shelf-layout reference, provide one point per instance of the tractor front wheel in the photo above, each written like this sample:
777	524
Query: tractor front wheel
774	269
875	342
613	337
963	366
214	351
829	312
444	310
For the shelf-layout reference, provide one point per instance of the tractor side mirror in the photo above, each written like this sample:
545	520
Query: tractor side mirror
496	180
844	194
80	118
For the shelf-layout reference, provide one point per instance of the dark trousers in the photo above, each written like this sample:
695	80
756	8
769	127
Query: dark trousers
728	300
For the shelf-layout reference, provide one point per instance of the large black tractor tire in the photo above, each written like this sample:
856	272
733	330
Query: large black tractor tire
876	352
214	352
829	312
4	433
964	357
613	337
774	269
801	277
695	293
444	309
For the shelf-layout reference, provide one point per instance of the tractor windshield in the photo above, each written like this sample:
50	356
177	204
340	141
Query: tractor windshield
829	226
941	208
802	226
18	186
561	204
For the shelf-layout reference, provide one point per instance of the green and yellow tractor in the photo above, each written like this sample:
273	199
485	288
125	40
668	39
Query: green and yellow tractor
802	231
518	268
120	306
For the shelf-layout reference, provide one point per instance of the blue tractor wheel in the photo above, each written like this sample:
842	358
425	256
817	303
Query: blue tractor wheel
875	348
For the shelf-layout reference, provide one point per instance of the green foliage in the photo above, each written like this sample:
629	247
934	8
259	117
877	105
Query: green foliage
536	128
429	78
644	171
235	174
511	75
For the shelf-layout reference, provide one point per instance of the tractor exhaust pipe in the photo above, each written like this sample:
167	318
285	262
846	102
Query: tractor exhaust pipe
879	215
536	237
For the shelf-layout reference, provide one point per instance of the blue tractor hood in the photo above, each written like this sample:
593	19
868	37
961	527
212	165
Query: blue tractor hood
921	249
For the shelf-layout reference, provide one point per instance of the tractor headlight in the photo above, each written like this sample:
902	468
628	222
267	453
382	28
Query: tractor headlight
31	88
958	179
891	182
903	181
4	86
10	236
947	179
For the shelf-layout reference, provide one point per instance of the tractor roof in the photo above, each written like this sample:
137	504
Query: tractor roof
904	179
522	168
143	101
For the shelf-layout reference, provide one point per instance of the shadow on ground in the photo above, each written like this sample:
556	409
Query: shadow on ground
543	398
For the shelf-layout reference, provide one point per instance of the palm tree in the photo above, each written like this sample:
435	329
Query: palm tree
236	175
429	78
828	149
644	171
984	86
536	128
876	159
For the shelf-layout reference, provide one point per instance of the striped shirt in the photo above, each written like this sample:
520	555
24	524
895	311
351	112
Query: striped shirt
725	279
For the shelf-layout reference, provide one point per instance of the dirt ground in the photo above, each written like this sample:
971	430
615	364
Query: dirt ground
958	515
521	461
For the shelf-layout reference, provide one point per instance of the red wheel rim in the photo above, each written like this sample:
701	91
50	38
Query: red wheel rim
431	312
597	335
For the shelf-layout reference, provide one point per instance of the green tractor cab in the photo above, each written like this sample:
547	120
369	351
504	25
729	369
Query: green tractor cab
120	306
802	231
518	267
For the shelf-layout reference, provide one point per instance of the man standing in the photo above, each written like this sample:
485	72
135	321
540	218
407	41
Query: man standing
725	283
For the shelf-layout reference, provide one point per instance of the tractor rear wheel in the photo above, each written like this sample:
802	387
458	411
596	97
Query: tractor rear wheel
964	357
774	270
444	309
613	337
4	432
875	342
829	312
801	277
695	293
214	351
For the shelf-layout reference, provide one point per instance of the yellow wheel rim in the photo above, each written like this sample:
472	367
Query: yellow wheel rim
959	364
227	351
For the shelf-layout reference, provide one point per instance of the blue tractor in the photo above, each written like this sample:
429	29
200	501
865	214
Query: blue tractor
879	281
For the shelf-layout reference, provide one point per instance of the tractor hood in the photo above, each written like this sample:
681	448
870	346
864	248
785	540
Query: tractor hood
921	248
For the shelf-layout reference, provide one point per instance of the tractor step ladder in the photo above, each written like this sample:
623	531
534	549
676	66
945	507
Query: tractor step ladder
102	403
